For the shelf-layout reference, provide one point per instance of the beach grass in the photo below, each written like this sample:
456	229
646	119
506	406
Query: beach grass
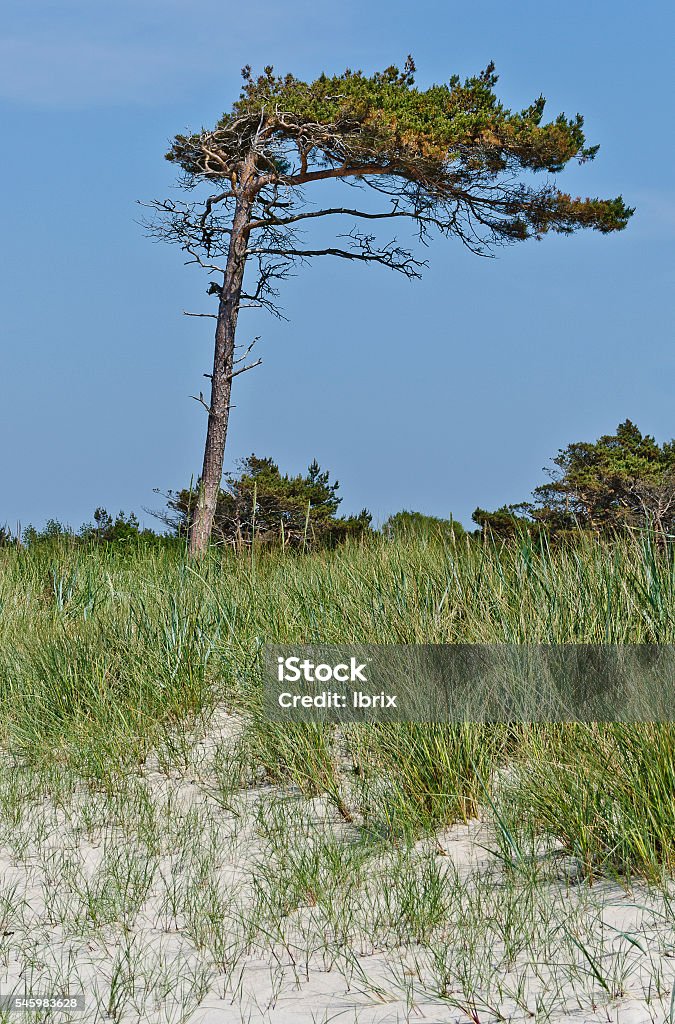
109	653
160	835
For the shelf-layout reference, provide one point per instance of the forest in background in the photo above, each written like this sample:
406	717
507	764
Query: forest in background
621	482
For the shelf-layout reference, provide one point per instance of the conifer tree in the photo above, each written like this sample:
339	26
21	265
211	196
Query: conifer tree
451	159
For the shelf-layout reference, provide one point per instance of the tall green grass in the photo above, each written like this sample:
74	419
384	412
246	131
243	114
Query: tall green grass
105	652
606	791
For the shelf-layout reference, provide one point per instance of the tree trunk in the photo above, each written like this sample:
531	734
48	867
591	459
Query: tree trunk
221	379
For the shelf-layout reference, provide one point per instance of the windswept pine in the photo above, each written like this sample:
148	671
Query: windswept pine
450	159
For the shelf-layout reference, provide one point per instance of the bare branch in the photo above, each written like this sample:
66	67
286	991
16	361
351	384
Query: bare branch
250	347
265	294
243	369
213	201
196	258
282	221
201	401
390	255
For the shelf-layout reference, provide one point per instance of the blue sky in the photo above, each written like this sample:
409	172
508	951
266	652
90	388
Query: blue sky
437	395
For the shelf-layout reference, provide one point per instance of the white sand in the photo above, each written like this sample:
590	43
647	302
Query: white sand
49	944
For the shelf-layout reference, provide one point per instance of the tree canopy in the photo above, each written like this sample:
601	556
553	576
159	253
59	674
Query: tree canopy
259	502
456	149
624	480
407	525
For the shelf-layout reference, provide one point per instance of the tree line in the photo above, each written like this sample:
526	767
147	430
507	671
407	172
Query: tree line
621	482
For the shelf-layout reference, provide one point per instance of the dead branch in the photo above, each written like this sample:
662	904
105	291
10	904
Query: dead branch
243	369
201	401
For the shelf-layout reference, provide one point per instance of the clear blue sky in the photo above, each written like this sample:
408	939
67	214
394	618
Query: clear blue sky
438	395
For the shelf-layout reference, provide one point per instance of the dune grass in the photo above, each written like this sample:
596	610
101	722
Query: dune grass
107	653
162	842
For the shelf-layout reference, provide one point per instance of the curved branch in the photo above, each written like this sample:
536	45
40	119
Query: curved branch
282	221
394	258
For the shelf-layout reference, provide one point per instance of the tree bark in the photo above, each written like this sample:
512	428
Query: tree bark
221	378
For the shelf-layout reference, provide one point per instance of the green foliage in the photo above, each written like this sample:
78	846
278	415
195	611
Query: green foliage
108	650
409	525
622	480
53	531
104	530
7	538
260	503
422	775
607	791
507	522
441	143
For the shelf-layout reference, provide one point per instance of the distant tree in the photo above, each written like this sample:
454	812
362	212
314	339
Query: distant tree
451	159
7	538
508	522
621	480
54	531
415	524
258	501
105	529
